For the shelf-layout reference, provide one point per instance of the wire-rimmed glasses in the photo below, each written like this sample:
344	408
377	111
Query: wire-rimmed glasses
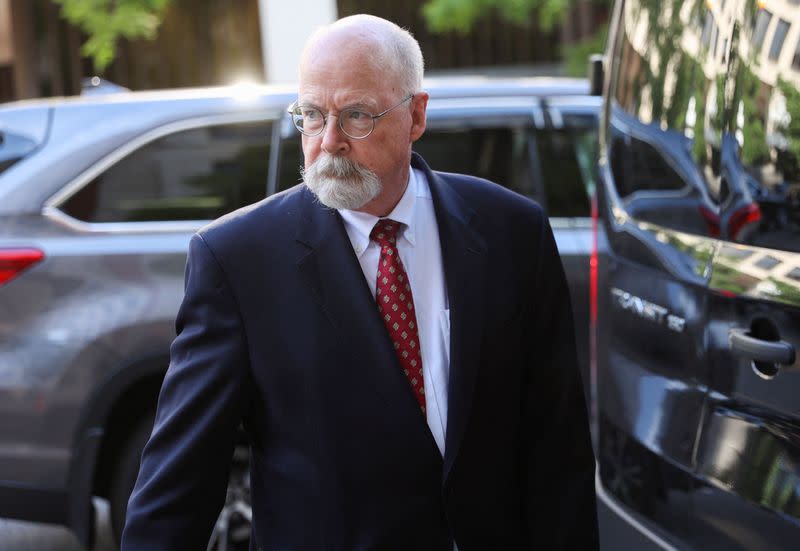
354	122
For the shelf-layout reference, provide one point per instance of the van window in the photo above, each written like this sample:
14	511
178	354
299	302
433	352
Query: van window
196	174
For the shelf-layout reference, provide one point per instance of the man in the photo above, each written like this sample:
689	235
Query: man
397	344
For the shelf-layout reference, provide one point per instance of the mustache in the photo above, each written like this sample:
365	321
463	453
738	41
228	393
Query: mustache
330	166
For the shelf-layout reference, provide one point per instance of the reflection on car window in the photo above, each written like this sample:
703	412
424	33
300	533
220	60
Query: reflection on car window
759	153
197	174
499	154
665	99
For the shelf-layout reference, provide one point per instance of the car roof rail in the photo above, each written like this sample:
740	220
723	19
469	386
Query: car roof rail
96	85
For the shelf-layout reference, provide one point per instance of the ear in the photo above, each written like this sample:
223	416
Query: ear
419	106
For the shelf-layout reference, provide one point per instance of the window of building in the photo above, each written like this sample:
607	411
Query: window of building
767	262
796	58
708	25
196	174
777	40
760	30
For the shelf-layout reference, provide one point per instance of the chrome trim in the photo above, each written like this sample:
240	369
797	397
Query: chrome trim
51	206
183	226
521	102
555	117
538	117
571	222
627	517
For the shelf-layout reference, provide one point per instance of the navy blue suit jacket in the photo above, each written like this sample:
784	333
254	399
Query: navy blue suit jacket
278	331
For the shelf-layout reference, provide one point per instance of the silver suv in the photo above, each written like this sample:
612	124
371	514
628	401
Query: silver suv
98	199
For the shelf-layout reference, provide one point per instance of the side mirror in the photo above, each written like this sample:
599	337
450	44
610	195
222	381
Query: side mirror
596	74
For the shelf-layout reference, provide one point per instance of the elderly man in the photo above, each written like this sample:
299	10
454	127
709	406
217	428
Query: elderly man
396	342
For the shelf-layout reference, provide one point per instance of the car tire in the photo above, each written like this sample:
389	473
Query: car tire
125	473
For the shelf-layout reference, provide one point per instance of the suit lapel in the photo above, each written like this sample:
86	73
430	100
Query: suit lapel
464	259
331	271
328	266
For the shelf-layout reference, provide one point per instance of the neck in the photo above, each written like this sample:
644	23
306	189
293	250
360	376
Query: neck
390	195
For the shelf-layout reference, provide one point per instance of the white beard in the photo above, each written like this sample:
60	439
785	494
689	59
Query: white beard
340	183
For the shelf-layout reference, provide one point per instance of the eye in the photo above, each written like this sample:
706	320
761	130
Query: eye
310	114
355	115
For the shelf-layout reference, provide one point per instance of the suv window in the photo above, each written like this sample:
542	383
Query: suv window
196	174
497	153
567	170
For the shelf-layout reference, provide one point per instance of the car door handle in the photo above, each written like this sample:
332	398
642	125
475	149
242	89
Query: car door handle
743	344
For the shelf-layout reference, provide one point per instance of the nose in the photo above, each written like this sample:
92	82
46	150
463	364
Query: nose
334	141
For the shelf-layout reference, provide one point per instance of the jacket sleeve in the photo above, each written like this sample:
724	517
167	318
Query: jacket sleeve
560	466
184	469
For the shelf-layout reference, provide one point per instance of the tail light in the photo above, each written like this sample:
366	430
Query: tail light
712	221
15	261
742	217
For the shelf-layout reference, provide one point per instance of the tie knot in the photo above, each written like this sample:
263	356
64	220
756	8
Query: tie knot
385	232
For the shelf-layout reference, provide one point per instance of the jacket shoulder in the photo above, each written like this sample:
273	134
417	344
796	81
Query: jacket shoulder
269	217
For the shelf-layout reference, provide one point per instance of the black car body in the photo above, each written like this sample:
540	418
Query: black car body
698	321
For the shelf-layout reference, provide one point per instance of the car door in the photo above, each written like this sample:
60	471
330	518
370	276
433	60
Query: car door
657	205
748	453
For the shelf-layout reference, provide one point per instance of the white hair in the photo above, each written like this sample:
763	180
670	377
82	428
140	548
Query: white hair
395	49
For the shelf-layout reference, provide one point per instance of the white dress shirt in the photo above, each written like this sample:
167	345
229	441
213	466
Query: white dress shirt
421	253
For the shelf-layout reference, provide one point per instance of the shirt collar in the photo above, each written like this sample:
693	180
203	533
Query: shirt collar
359	224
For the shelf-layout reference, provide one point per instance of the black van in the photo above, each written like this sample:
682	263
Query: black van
698	319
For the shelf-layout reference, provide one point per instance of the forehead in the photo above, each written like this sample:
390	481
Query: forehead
349	71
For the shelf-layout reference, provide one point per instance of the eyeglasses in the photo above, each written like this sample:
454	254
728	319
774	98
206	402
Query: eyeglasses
355	123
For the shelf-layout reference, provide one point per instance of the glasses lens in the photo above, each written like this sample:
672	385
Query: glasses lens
308	120
355	123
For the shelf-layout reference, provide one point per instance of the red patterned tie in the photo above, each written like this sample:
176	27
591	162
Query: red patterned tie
396	305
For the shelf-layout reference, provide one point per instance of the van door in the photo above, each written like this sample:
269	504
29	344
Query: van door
656	205
748	453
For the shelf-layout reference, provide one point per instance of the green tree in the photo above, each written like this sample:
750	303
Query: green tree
461	15
106	21
576	55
